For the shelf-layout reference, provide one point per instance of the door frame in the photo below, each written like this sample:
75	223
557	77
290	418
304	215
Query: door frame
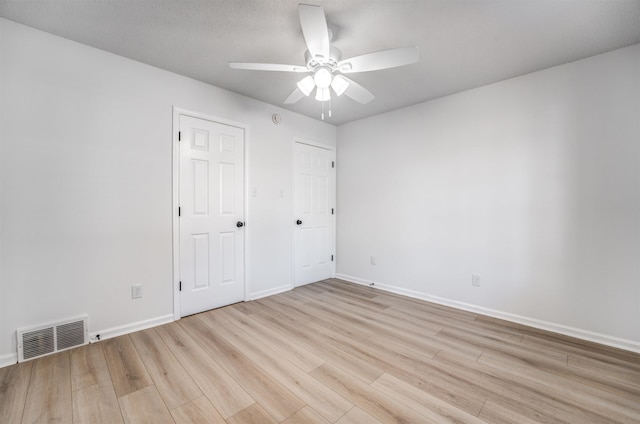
175	198
293	204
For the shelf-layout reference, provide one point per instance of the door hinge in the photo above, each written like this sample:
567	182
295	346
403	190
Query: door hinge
333	164
180	286
179	135
331	211
331	258
179	211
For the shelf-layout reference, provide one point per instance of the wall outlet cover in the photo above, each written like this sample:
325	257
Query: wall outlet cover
136	291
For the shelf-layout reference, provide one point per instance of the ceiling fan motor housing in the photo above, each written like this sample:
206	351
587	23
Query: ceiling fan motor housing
335	56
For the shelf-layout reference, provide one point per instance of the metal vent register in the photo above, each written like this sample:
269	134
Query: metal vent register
50	338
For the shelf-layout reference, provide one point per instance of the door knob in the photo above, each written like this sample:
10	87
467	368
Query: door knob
239	224
298	222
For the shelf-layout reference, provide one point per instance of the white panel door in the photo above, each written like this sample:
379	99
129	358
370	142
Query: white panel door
211	215
314	199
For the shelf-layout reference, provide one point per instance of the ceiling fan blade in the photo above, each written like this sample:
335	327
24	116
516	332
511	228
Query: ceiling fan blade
294	97
384	59
358	92
314	29
267	67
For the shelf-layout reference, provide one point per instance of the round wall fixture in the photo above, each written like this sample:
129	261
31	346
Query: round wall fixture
276	118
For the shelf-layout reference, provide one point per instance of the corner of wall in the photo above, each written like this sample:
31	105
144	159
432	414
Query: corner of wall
2	308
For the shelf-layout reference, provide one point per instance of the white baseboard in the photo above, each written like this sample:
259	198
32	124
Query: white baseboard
130	328
7	359
269	292
531	322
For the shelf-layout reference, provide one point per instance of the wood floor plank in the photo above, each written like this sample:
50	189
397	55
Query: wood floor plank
358	416
145	406
368	292
226	395
198	411
421	336
402	345
422	402
170	378
514	348
612	372
306	416
322	318
564	376
446	384
380	359
351	299
278	401
127	371
49	395
363	395
355	289
336	284
580	348
426	315
88	366
558	402
14	384
367	319
347	362
496	414
487	386
254	414
408	303
96	404
288	315
402	361
583	396
359	366
214	318
328	403
277	341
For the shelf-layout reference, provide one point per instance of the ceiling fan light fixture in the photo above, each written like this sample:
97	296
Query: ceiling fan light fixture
322	94
306	85
323	77
339	84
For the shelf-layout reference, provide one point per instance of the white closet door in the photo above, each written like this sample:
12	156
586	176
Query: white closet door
211	215
314	205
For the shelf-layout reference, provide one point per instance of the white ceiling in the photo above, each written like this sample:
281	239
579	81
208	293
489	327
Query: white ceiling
463	44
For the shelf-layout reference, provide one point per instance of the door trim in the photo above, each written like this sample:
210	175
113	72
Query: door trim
175	175
293	204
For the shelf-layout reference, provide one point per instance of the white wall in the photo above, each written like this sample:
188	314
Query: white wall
532	183
3	355
87	184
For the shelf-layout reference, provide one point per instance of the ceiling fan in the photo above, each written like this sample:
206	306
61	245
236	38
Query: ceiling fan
325	63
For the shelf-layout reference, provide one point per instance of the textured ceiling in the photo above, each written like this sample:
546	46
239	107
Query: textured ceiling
463	44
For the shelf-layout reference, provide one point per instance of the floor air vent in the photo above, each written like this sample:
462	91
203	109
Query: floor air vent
46	339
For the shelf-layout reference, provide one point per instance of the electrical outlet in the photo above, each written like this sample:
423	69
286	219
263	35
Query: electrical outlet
475	280
136	291
373	260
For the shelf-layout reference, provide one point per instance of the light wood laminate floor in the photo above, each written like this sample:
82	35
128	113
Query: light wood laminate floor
329	352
